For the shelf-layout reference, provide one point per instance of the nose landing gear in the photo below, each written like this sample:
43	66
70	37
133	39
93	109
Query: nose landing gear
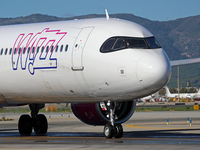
111	129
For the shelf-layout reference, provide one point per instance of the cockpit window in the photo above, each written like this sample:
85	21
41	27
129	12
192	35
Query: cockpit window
120	43
152	43
136	43
106	47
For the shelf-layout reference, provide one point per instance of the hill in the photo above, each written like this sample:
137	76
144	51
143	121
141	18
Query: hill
180	38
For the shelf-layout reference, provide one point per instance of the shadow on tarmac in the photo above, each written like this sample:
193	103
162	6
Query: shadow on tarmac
174	133
181	133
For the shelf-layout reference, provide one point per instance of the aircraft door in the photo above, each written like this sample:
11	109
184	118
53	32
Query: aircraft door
77	52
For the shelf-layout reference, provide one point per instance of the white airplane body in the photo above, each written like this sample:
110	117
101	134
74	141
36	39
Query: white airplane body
82	74
181	95
149	98
105	62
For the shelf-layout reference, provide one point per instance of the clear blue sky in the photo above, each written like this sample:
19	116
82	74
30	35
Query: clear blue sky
152	9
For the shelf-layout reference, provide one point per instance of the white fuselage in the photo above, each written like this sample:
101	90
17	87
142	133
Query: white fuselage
181	95
80	72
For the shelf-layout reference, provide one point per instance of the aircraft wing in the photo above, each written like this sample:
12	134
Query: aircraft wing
184	62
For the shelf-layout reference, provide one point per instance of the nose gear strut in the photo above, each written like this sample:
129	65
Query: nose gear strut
111	129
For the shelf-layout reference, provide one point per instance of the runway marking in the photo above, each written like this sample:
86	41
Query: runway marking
142	127
167	127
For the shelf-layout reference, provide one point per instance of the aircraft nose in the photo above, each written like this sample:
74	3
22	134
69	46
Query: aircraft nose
154	71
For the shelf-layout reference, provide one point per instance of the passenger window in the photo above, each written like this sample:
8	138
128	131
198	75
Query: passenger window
19	50
1	51
33	50
107	45
56	48
6	51
119	44
15	50
24	50
61	48
10	51
47	49
66	48
38	49
42	50
52	48
28	50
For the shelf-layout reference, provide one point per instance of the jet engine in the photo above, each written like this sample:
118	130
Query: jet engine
98	113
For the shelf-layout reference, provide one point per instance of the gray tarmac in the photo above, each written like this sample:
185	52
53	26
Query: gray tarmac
145	130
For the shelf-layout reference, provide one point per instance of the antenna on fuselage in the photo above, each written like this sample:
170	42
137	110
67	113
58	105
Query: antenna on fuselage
107	15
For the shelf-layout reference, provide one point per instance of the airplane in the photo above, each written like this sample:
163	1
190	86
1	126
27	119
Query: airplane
150	97
100	66
197	95
181	95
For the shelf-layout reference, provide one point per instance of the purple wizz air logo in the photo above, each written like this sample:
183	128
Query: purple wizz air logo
34	51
